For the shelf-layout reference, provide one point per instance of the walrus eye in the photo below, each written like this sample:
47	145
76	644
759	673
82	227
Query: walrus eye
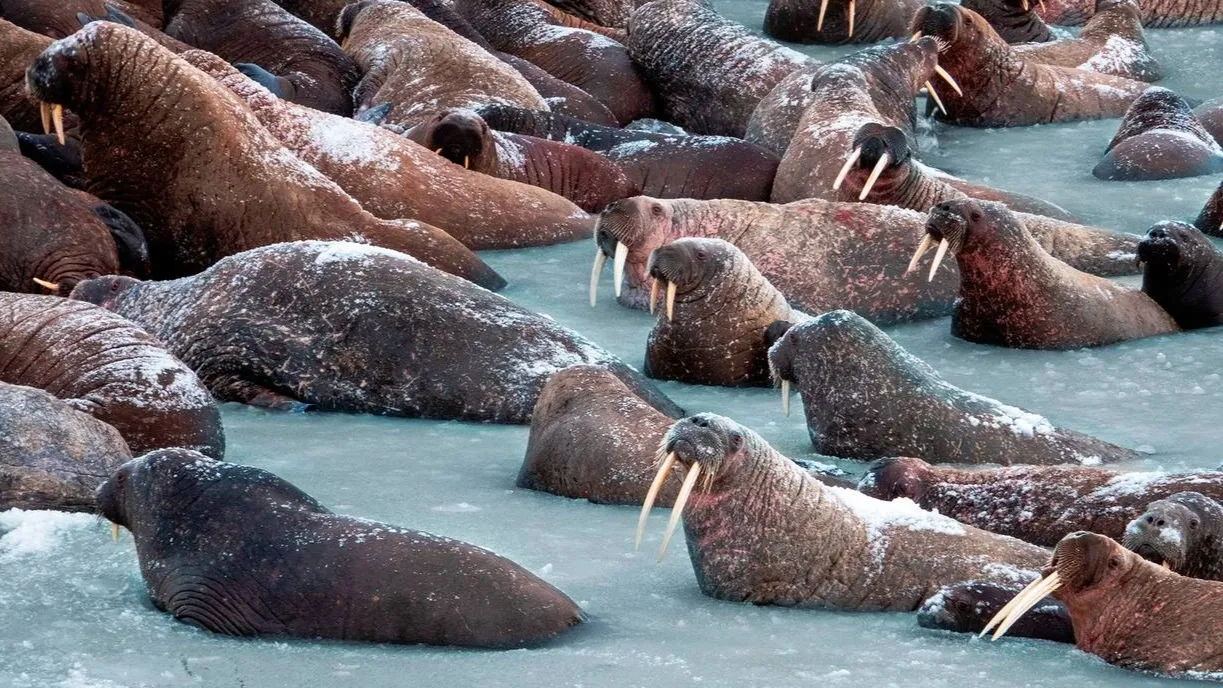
114	286
656	210
701	255
736	440
976	216
1193	524
1113	562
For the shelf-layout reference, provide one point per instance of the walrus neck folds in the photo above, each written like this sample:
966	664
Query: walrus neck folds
156	306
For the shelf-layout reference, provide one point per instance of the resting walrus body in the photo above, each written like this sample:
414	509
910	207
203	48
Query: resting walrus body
1183	272
1159	138
345	327
1015	21
18	48
1112	42
62	18
238	551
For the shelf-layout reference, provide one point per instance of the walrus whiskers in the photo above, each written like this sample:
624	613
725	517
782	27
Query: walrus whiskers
880	165
1026	599
684	491
670	301
46	285
938	258
595	273
618	266
785	397
849	164
663	471
934	96
926	242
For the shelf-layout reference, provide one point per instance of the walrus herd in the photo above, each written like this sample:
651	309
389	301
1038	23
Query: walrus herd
279	204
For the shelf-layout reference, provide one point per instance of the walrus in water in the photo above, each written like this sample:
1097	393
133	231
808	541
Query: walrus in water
339	326
1014	294
588	179
54	454
1183	272
1015	21
62	18
289	57
1183	532
393	177
712	327
1159	138
1156	14
241	529
867	398
1210	114
840	21
418	66
1210	220
761	530
1002	88
1128	611
106	366
196	170
1112	42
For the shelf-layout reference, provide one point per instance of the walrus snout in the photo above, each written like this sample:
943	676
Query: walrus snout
1160	245
101	291
941	21
1161	534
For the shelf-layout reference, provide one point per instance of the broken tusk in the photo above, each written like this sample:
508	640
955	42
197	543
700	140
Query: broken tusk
948	78
670	301
934	96
938	258
870	181
785	397
819	21
851	18
663	470
653	294
849	165
46	285
114	532
438	151
466	162
926	242
595	273
618	266
684	491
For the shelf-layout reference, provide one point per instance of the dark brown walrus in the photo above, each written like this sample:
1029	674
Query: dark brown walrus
1002	88
238	551
62	18
1013	293
297	61
18	48
1159	138
1183	272
106	366
866	398
1015	21
193	167
1112	43
839	21
393	177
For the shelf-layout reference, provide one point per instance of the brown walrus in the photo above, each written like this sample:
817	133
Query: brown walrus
1210	114
1129	611
839	21
1014	294
106	366
297	61
711	327
572	21
62	18
761	530
196	170
1038	504
1112	42
1156	14
18	48
1159	138
418	66
1210	219
1002	88
867	398
393	177
1183	272
1183	532
1015	21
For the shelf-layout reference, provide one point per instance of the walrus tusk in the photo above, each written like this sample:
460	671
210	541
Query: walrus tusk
438	151
849	164
1027	598
948	78
819	21
1025	5
934	96
785	397
1167	566
870	181
595	273
114	532
57	118
663	471
44	109
618	266
670	300
926	242
851	18
684	491
466	163
46	285
1042	5
916	37
653	294
938	258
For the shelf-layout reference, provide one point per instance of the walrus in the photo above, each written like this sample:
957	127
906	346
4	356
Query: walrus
664	165
573	21
293	59
761	530
54	236
968	606
1156	14
1183	272
1112	42
1038	504
18	48
1002	88
54	455
1014	294
588	179
337	326
1128	611
196	170
1210	219
106	366
393	177
609	13
321	14
591	61
839	22
867	398
1159	138
711	328
1015	21
1210	115
709	71
241	529
62	161
1183	533
418	66
62	18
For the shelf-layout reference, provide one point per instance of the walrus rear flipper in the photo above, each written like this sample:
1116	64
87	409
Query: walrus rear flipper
130	242
645	389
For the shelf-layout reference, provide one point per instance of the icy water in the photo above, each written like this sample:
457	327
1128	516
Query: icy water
73	612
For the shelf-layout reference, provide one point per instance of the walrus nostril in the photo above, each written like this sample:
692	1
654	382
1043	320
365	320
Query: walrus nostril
700	422
1161	523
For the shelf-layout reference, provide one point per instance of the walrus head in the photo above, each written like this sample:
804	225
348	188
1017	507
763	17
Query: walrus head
461	137
103	291
952	26
1174	249
1171	529
894	74
954	225
875	149
632	227
347	18
889	479
686	265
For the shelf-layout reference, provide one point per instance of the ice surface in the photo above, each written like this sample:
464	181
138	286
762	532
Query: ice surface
73	610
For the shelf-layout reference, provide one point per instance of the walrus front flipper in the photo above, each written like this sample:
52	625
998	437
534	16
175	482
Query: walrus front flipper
967	607
254	394
130	242
279	86
374	115
62	161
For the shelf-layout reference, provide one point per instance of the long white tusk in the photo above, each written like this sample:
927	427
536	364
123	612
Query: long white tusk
595	273
1025	5
819	22
938	258
654	294
1018	600
926	242
849	165
947	77
1035	594
1042	5
46	285
57	118
934	96
870	181
670	301
678	509
114	532
851	18
663	471
618	266
44	109
785	397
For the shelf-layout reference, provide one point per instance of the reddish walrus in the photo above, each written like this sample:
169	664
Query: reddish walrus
1111	43
1156	14
190	163
762	530
1160	138
18	48
1003	88
393	177
418	66
1128	611
62	18
1014	294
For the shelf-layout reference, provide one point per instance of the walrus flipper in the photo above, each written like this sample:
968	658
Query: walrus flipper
279	86
129	239
374	115
255	394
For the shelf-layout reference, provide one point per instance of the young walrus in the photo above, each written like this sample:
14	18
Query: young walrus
762	530
1128	611
190	163
1014	294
